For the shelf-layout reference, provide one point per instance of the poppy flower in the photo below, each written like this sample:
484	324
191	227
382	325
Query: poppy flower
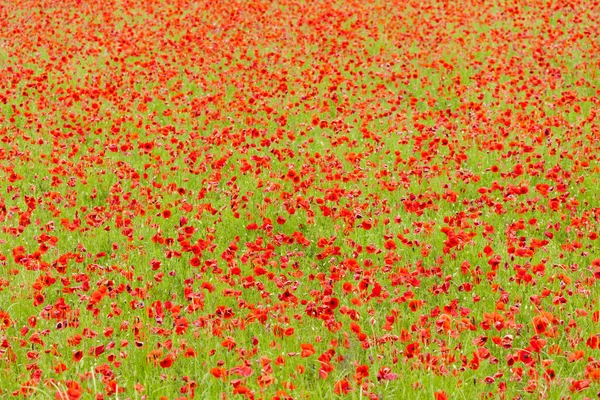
219	373
362	371
412	349
307	350
526	357
243	390
579	385
166	362
386	373
77	355
74	390
440	395
342	387
537	344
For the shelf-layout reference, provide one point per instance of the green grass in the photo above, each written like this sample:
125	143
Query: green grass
417	103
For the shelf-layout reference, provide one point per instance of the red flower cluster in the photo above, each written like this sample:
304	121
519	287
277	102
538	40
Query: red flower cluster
302	198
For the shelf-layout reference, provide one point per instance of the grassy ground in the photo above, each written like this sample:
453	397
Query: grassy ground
299	199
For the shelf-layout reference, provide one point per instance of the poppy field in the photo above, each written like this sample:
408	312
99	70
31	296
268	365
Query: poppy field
297	199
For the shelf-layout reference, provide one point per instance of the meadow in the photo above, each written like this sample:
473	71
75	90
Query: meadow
296	199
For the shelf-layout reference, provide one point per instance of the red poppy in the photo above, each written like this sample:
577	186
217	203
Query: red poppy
166	362
579	385
342	387
526	356
440	395
386	373
307	350
77	355
219	373
362	371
